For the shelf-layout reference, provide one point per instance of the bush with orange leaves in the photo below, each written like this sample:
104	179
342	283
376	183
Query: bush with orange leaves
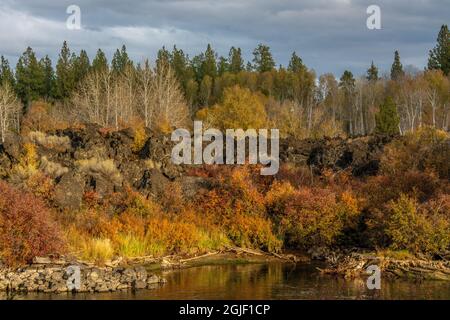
310	216
26	227
43	116
130	225
237	206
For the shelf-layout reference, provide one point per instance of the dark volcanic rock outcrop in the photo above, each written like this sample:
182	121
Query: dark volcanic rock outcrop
361	154
91	159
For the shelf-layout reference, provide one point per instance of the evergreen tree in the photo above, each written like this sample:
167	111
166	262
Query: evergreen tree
183	70
49	77
347	85
100	61
81	66
440	55
209	67
163	58
397	67
120	60
6	74
65	75
347	81
263	60
372	73
235	61
387	119
222	66
179	63
249	67
196	65
296	63
29	77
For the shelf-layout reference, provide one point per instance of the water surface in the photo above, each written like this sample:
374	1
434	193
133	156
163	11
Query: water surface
266	281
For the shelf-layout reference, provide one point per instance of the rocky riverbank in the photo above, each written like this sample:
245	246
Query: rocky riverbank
55	275
356	264
58	275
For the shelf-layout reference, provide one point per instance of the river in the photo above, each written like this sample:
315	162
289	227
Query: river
266	281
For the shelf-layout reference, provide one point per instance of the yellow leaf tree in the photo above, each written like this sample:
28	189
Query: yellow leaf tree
240	108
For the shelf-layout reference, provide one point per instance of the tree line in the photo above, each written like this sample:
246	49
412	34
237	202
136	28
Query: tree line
177	87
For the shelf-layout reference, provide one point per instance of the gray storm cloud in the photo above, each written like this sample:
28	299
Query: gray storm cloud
330	36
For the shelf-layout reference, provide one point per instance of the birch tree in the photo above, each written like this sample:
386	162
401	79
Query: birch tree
9	110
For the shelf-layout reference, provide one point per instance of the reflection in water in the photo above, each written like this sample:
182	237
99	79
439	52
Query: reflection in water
268	281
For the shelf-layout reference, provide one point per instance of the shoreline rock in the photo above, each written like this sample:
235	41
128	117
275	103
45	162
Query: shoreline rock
57	276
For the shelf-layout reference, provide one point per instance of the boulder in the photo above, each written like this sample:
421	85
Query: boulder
69	191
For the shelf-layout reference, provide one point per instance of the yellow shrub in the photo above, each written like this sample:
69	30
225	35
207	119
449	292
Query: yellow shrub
28	162
140	137
412	229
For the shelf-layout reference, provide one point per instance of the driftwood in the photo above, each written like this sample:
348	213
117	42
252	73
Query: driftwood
356	265
199	257
245	250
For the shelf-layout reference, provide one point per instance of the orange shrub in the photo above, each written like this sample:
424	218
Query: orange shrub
26	227
311	216
237	206
43	116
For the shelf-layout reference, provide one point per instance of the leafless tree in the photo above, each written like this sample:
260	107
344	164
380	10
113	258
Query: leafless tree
167	100
9	110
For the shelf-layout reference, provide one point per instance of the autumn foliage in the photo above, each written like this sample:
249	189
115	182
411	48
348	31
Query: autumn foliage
405	207
26	227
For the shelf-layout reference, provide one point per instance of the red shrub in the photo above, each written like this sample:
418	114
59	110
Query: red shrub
26	227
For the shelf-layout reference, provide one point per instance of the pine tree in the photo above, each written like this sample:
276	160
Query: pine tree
120	60
372	73
440	55
347	81
163	58
49	77
179	63
347	85
296	63
263	60
65	74
387	119
81	65
397	67
100	61
29	77
209	66
235	61
222	66
6	74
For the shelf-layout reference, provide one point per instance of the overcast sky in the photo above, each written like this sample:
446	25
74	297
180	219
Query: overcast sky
330	36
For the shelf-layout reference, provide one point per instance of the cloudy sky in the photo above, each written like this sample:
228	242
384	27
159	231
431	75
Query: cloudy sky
330	36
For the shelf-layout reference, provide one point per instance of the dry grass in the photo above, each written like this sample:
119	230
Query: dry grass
105	168
51	168
53	142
